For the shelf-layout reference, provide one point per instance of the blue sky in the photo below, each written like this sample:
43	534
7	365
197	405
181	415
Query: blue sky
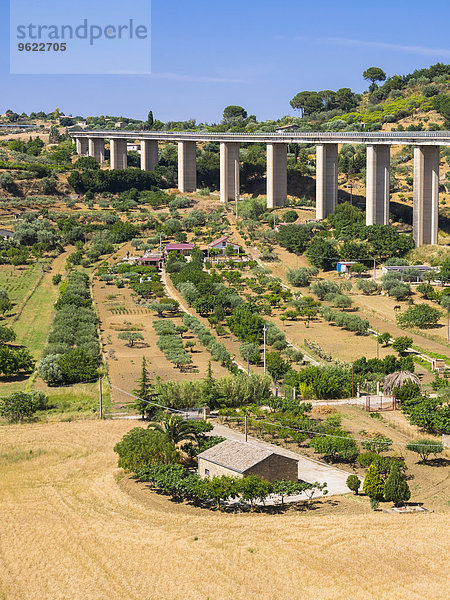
208	54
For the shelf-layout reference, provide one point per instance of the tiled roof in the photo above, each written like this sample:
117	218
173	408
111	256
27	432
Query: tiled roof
179	246
218	241
237	456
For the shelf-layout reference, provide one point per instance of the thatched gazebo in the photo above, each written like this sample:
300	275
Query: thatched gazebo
397	379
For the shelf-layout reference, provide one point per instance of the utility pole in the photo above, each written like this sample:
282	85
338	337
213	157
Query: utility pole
248	364
100	397
352	380
245	426
378	345
264	331
236	185
374	269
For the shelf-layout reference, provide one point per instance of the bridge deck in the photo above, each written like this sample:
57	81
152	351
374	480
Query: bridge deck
417	138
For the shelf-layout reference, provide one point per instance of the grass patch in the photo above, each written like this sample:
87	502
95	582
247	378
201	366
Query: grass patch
18	282
15	455
77	400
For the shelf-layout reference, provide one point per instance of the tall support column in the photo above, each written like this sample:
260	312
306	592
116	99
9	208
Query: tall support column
426	194
326	179
82	146
229	170
149	154
118	152
377	184
97	149
187	166
276	175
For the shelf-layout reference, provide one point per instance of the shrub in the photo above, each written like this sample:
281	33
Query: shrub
49	369
19	406
56	279
353	483
373	485
377	444
335	448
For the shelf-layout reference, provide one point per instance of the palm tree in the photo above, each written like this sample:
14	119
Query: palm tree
175	428
397	379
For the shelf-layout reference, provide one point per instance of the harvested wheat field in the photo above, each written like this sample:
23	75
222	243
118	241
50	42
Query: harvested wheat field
71	529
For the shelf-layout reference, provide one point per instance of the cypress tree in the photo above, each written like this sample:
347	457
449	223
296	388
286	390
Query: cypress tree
396	488
144	391
373	485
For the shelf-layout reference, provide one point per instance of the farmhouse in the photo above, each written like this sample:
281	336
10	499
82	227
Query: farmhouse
182	248
221	245
287	128
239	459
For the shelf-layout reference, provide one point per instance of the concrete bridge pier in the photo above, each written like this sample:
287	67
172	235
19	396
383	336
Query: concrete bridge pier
377	184
326	179
276	175
426	195
229	170
187	166
149	154
82	146
97	149
118	153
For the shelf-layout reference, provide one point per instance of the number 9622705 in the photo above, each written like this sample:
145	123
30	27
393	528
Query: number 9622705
42	47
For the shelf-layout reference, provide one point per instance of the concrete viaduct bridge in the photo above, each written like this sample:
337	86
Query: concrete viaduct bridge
426	166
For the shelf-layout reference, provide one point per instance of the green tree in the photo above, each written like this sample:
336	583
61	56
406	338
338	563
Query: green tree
144	392
402	343
276	366
131	337
374	74
373	485
353	483
78	365
253	488
234	112
13	361
396	488
358	268
425	447
141	448
220	488
175	428
385	338
419	315
368	286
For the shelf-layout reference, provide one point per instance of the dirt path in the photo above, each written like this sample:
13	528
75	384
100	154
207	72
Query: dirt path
81	535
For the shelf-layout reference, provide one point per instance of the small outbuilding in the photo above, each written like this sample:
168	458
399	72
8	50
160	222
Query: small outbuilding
239	459
6	234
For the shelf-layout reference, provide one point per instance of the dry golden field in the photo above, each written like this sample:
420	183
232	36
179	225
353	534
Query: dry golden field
69	529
